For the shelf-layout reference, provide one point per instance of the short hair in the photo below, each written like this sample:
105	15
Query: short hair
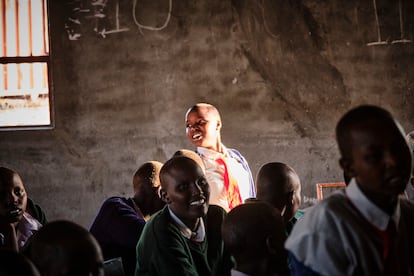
246	228
6	175
209	107
355	117
190	154
178	162
65	247
275	172
148	171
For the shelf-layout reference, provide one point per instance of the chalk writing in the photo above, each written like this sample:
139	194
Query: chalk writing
402	34
96	13
141	26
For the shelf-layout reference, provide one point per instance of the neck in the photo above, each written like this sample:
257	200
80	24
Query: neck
193	225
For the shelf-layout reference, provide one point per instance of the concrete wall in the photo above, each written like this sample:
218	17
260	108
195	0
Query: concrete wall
281	73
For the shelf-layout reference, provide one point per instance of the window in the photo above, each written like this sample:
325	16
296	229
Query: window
25	96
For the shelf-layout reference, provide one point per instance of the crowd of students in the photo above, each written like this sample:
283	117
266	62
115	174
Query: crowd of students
201	213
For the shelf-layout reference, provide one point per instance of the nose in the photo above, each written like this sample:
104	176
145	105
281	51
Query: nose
390	159
196	189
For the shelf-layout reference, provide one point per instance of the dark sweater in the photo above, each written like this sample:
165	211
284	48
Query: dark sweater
163	250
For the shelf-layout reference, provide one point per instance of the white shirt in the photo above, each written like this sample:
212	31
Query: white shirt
197	236
215	176
336	236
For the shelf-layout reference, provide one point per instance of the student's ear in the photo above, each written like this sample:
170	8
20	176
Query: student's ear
290	200
346	165
164	196
218	125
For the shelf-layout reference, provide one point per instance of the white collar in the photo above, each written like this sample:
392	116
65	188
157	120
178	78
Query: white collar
197	236
211	154
368	209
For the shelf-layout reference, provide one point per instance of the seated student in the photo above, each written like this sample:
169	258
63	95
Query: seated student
65	248
119	223
365	229
16	223
185	237
254	235
15	263
279	185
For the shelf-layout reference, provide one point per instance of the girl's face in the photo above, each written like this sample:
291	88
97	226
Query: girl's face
13	199
203	128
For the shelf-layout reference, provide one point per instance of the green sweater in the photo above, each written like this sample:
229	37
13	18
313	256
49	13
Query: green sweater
163	250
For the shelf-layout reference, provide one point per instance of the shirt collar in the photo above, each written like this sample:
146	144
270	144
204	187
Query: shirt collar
211	154
26	227
235	272
197	236
368	209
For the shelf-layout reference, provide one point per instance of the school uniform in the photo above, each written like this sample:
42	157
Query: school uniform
216	170
347	234
168	248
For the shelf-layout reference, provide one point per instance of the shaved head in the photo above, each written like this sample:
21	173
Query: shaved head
208	108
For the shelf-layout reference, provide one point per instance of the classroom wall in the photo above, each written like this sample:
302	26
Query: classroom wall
280	72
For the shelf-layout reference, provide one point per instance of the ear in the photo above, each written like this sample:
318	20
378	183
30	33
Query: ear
218	125
164	196
347	166
290	201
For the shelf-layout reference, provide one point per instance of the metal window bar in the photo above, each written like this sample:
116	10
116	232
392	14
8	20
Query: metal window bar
24	54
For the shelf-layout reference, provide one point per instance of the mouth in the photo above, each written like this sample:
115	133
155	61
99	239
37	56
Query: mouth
198	202
197	136
14	212
396	181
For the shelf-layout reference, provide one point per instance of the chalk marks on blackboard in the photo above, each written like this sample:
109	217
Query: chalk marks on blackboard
104	17
141	26
94	11
380	40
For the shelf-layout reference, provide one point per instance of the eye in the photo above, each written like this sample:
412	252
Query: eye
202	182
201	123
183	186
19	192
374	157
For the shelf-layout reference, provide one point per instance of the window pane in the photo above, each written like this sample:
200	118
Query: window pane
24	84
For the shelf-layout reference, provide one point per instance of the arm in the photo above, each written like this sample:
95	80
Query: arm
117	222
8	238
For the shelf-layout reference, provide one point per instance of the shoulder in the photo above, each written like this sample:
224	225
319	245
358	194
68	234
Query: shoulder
215	213
36	211
326	217
116	201
234	153
407	209
213	222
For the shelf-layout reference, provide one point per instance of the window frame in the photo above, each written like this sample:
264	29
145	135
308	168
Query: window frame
34	59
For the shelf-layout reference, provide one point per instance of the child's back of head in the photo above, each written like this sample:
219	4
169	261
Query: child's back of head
279	185
65	248
254	234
